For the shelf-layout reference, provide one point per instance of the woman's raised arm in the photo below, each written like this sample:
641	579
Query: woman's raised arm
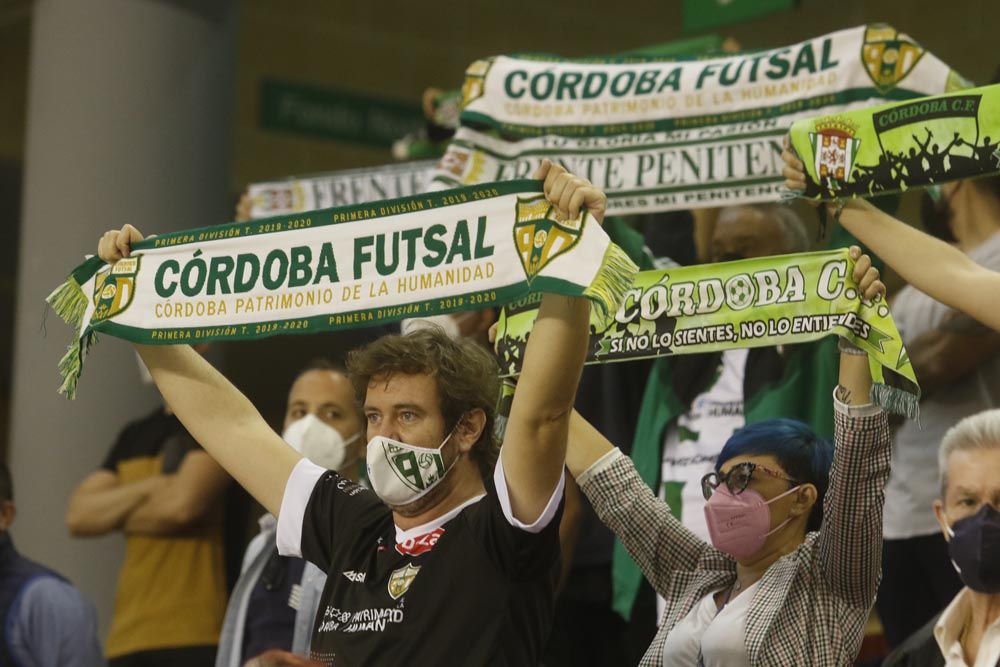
932	266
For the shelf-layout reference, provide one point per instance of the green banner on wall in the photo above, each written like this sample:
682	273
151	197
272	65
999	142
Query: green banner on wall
706	14
335	114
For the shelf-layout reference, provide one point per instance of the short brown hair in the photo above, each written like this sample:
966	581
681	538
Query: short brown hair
467	377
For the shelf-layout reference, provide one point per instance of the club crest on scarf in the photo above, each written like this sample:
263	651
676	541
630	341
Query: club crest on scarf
114	288
539	236
454	160
834	148
280	198
475	79
889	56
400	580
465	165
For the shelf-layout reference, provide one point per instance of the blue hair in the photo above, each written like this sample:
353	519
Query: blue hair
805	456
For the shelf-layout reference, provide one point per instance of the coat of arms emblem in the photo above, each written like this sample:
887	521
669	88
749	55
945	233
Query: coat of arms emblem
540	236
888	56
401	579
475	81
280	199
114	288
834	147
454	160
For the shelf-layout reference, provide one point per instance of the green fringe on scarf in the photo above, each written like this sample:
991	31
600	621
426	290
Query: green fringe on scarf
613	279
896	400
70	303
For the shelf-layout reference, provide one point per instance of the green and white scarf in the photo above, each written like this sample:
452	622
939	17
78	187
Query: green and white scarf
896	147
447	115
359	186
749	303
339	188
340	268
660	135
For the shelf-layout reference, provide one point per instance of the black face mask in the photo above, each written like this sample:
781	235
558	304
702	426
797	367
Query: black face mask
975	550
935	216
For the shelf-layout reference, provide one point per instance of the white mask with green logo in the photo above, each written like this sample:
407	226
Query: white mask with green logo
400	473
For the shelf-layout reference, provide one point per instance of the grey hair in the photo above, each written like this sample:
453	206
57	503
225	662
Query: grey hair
792	226
978	431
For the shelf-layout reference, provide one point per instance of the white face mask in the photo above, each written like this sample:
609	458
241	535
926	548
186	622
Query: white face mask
400	473
319	442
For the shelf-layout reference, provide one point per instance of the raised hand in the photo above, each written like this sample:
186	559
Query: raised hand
793	171
568	192
866	276
117	243
243	207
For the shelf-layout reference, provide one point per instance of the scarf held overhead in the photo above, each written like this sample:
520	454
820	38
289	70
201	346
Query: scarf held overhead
340	268
749	303
339	188
660	135
896	147
359	186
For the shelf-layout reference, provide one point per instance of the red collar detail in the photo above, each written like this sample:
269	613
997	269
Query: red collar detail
421	544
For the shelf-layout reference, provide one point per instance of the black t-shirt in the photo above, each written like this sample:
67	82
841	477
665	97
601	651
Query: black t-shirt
475	591
157	434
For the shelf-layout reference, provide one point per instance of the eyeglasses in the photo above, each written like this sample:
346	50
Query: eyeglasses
737	479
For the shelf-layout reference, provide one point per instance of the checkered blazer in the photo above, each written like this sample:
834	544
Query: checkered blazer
811	606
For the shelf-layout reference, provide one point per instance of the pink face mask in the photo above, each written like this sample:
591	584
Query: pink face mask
738	525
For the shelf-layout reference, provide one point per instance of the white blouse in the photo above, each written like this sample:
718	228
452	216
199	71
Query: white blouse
717	636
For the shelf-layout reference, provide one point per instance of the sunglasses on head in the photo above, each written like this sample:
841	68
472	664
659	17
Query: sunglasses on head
737	479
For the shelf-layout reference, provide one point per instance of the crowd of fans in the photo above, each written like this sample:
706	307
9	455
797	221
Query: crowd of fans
748	507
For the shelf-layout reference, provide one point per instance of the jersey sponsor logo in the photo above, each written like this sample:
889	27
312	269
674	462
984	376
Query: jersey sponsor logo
421	544
356	577
350	488
400	580
364	620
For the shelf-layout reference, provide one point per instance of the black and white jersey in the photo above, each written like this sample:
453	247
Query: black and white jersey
473	587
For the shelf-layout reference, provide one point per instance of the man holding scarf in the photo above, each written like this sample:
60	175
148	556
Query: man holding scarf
453	560
273	606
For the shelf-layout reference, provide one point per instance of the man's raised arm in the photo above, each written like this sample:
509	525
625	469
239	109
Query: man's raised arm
213	411
534	448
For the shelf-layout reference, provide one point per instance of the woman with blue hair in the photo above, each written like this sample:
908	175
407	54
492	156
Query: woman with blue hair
795	523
